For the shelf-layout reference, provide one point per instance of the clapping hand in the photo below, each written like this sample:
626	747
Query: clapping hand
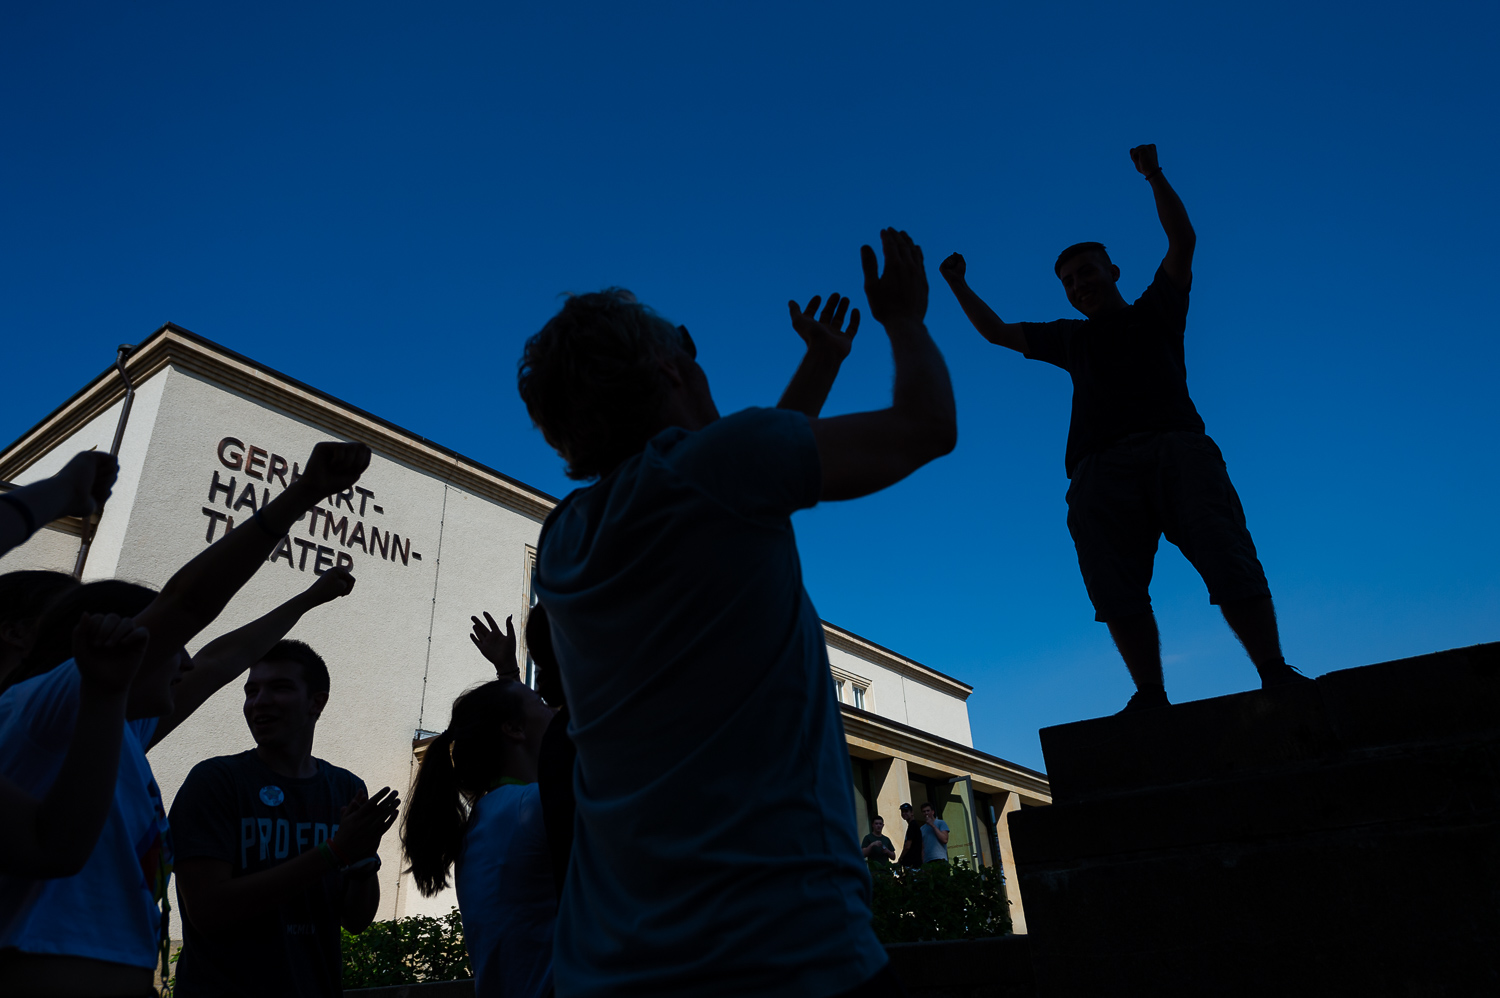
362	822
89	476
108	650
334	467
900	294
1144	158
825	332
497	646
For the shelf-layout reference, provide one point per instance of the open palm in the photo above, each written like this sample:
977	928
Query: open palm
826	332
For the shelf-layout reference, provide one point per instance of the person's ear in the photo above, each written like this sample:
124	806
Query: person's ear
1115	271
14	633
319	701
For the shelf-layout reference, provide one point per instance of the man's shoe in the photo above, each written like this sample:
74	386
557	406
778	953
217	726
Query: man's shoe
1146	699
1287	675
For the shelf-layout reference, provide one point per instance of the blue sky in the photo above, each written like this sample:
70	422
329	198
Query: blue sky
384	200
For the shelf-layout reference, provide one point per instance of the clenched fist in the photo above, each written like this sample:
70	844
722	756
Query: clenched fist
1144	158
953	269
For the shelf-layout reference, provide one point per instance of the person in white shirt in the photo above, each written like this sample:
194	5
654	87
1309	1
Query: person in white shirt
475	809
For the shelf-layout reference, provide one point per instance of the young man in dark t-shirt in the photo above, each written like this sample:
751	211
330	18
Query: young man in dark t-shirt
878	850
276	849
1140	462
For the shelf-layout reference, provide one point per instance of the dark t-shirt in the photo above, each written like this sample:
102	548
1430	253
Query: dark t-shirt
554	777
235	809
879	858
1129	372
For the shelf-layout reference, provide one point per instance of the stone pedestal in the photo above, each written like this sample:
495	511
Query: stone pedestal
1332	838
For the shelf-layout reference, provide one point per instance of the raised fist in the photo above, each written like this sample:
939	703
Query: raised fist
108	650
1144	158
900	294
331	585
89	476
334	467
954	268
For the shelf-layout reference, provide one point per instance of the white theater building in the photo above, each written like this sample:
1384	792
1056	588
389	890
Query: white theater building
432	538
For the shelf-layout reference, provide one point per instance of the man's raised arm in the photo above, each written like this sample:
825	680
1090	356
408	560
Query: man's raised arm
827	346
990	325
1181	239
225	657
194	596
865	452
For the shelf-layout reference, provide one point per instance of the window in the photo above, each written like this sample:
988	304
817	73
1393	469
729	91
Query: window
859	697
838	689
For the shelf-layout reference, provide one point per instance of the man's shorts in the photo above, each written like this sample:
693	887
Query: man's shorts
1123	499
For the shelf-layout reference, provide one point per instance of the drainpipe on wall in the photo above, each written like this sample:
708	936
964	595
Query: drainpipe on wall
121	352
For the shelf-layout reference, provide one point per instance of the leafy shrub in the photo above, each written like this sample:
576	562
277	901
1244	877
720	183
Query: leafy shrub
409	950
953	901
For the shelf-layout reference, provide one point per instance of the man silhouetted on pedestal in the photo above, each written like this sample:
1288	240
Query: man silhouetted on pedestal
1140	462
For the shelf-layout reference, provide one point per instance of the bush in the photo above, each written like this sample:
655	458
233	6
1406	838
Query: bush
953	901
409	950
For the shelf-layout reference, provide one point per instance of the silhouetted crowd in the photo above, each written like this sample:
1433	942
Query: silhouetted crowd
605	827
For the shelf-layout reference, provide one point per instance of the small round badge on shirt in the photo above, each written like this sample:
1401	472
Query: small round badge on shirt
272	795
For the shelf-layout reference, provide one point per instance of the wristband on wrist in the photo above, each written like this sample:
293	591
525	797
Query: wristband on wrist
1153	174
22	510
333	851
327	851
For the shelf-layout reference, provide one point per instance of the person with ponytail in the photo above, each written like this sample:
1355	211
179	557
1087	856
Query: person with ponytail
475	809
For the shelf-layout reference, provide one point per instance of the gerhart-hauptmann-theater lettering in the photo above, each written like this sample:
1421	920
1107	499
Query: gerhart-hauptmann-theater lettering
227	497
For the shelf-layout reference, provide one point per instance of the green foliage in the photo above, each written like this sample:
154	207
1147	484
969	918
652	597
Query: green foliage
407	951
952	901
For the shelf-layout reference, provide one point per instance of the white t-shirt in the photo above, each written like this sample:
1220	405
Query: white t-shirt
108	910
503	878
715	849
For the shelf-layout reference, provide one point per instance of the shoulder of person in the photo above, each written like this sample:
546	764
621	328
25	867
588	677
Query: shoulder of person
1164	292
216	771
349	785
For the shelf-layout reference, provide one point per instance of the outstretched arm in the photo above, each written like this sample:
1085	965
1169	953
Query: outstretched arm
865	452
54	837
193	597
1181	239
78	490
827	346
222	659
990	325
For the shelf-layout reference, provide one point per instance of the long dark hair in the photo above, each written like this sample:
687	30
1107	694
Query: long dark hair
459	767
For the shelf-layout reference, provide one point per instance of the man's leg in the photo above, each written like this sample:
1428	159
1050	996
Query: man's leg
1139	644
1254	623
1205	519
1115	533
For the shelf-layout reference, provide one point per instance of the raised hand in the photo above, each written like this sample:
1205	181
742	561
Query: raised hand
497	646
826	332
1144	158
334	467
954	269
89	477
108	650
331	585
361	824
900	294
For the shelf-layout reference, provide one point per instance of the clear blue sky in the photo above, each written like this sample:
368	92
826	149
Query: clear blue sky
384	200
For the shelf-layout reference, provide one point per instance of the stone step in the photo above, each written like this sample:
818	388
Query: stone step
1450	695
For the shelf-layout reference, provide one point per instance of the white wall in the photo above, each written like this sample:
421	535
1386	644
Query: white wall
903	699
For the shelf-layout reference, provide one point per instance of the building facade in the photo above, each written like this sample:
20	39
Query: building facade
432	538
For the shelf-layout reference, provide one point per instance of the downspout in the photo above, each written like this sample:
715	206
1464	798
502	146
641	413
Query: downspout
92	526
